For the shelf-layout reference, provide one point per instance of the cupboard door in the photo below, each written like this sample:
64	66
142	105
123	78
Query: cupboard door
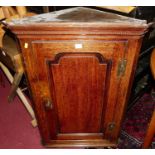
76	82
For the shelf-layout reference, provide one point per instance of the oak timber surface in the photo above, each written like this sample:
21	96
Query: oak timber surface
74	60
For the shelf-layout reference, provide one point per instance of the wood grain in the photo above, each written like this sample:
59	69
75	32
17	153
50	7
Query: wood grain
82	84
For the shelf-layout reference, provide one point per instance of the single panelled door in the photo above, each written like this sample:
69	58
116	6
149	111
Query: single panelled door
77	80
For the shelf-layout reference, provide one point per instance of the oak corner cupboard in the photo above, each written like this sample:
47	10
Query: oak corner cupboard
80	65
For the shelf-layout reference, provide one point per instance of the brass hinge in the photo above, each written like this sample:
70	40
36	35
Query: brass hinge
121	67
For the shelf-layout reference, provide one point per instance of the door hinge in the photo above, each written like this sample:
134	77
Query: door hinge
121	67
111	126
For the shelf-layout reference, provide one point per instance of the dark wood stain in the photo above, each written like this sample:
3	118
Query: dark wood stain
82	84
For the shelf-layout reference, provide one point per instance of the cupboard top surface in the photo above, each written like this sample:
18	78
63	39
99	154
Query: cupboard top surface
79	15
